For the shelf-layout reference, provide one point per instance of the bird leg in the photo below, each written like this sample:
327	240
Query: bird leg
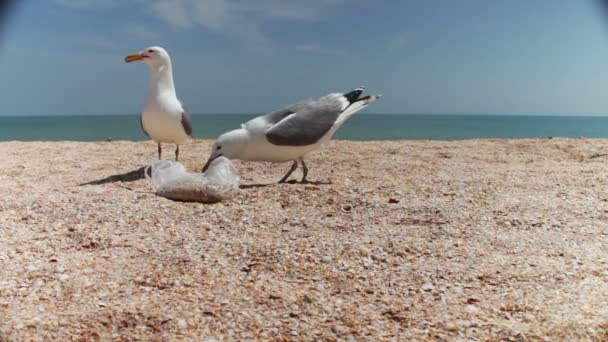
304	171
176	152
294	166
160	151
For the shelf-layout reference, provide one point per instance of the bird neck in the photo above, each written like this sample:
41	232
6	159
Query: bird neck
235	143
162	80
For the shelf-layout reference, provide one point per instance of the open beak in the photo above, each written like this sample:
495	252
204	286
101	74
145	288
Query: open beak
134	57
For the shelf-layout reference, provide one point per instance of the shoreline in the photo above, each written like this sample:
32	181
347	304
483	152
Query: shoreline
404	140
408	239
362	127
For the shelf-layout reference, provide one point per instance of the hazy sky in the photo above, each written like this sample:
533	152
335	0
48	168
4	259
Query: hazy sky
252	56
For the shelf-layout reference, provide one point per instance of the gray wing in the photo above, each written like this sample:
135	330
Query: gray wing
275	117
305	123
186	120
141	123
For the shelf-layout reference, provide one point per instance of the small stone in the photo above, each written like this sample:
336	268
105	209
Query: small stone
380	305
59	270
472	300
471	309
451	327
30	268
326	259
378	257
339	330
463	324
568	274
102	304
166	319
427	286
181	324
63	277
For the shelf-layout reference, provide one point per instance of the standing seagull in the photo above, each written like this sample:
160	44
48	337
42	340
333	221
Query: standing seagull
164	118
290	133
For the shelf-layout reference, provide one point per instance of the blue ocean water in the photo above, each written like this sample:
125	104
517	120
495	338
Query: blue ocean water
360	127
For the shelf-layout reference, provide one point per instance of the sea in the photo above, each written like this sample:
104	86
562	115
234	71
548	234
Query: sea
360	127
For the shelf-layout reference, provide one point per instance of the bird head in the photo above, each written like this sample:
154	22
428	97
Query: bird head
216	152
229	145
154	56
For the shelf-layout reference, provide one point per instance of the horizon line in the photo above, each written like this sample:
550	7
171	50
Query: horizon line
258	114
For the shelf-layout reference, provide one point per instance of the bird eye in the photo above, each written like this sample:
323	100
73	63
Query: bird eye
219	148
150	51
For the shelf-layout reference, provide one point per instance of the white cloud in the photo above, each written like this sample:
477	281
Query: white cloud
174	13
216	14
311	10
239	18
141	32
87	4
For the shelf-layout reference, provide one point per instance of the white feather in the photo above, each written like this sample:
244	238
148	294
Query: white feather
162	113
250	142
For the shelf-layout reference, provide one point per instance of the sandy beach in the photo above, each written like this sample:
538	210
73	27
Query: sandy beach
399	240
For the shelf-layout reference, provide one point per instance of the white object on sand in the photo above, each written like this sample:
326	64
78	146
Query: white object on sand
171	180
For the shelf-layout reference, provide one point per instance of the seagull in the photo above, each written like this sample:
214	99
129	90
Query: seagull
164	118
292	132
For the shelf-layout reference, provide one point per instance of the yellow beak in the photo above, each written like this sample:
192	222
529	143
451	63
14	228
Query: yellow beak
134	57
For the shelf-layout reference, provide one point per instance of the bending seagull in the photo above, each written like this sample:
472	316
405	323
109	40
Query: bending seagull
290	133
164	118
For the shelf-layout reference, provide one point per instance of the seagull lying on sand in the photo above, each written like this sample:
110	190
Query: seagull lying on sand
164	118
290	133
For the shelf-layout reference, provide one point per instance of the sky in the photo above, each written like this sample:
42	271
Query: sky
254	56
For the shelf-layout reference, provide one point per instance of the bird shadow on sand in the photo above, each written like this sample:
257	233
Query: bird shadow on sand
126	177
291	182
